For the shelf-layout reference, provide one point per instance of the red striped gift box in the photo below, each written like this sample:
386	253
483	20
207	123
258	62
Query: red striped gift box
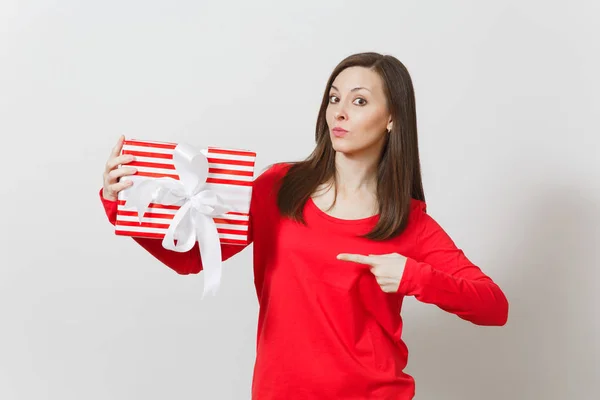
230	174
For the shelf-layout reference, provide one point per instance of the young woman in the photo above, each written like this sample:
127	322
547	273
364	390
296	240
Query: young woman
339	240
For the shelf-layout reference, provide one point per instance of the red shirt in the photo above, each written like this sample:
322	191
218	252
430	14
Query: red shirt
326	330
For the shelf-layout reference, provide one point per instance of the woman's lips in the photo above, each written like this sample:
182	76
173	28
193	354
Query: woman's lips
339	132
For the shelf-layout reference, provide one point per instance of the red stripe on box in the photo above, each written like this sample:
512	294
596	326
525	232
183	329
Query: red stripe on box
170	216
156	175
151	165
172	167
155	205
228	182
171	207
166	226
208	180
146	215
229	221
148	154
231	152
144	224
232	232
148	144
230	162
170	157
161	235
230	172
174	176
234	241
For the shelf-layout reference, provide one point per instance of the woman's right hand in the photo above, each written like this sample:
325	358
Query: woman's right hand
112	172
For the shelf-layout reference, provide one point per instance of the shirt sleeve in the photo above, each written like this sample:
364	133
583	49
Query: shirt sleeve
186	263
441	274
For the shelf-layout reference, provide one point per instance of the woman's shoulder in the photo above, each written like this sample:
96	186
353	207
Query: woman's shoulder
270	177
417	214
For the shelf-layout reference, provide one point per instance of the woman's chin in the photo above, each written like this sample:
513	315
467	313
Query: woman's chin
339	144
343	148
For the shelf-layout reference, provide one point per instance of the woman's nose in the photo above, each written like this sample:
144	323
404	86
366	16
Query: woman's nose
340	115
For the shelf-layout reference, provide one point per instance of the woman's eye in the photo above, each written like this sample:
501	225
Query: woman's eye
358	101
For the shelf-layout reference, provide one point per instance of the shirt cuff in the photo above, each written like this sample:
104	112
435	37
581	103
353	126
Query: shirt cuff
408	277
110	208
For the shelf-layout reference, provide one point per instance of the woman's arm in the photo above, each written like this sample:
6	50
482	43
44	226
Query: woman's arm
186	263
442	275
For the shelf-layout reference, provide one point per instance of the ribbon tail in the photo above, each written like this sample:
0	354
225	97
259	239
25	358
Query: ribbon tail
182	227
210	250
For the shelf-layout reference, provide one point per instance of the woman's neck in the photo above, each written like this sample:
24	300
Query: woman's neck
355	174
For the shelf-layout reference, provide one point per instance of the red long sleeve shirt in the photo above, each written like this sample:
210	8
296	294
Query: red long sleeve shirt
326	330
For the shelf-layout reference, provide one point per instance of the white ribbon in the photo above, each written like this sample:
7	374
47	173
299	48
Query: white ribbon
194	219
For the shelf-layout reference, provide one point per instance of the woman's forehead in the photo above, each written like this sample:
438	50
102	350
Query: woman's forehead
354	78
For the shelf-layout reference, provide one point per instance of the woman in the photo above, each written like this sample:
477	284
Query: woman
339	240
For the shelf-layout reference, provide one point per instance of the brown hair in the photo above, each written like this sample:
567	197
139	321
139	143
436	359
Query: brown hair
399	170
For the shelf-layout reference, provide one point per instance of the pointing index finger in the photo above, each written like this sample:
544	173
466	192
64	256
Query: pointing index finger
357	258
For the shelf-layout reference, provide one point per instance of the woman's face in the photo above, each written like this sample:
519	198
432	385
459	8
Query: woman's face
357	104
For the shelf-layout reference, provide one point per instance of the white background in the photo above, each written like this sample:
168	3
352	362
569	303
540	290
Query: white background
507	103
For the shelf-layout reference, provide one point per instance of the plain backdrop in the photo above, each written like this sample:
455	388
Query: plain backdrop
507	104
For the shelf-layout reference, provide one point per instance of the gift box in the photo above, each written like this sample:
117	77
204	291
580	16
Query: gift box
182	194
231	173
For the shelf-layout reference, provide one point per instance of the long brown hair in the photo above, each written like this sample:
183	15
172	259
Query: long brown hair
399	169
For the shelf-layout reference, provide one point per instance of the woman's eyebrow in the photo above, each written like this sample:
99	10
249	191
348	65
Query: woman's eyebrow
353	90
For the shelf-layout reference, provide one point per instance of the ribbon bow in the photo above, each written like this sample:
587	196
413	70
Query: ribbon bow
194	219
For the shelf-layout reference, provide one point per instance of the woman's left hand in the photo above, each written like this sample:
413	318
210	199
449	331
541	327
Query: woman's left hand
387	268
